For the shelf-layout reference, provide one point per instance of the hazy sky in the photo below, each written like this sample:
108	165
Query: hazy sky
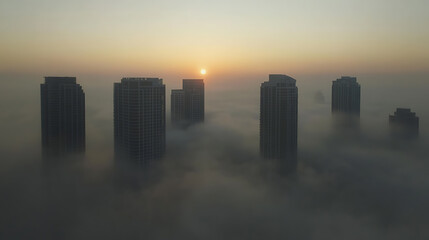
212	183
180	37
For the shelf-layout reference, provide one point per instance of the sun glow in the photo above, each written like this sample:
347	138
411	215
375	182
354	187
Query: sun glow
203	71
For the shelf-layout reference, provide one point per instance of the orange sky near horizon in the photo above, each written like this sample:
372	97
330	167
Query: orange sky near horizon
134	37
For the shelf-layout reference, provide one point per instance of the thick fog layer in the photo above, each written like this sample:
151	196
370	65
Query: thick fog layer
212	184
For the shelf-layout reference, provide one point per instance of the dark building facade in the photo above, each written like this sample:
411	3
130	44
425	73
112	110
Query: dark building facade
178	107
346	96
404	124
187	104
62	116
139	120
279	121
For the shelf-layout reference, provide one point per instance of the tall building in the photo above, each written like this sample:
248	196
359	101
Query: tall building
62	116
404	124
346	96
279	121
139	120
178	107
187	104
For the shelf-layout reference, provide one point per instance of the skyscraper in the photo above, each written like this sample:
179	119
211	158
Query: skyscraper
404	124
279	121
139	120
187	105
178	107
346	96
63	116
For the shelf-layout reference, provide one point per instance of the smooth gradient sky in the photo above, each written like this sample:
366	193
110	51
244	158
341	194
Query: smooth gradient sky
180	37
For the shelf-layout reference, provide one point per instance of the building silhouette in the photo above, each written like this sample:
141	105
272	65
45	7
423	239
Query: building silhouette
178	107
187	104
139	120
404	124
62	117
279	121
346	96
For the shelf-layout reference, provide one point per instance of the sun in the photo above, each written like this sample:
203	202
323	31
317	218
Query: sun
203	71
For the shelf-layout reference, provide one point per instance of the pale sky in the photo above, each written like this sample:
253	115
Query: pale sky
224	36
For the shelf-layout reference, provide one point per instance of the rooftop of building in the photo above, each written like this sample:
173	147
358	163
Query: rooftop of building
404	112
279	80
346	79
193	80
152	81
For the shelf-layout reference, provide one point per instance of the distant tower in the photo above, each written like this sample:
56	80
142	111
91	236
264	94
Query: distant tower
139	120
187	104
63	116
404	124
346	96
279	120
177	107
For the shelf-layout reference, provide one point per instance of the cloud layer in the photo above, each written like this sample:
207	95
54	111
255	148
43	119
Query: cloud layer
212	184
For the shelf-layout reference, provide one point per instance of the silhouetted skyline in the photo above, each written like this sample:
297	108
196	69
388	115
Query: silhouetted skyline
215	169
256	161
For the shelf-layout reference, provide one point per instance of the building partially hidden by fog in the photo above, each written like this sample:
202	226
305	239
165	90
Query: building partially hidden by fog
404	124
177	107
279	121
139	120
62	117
346	96
187	104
